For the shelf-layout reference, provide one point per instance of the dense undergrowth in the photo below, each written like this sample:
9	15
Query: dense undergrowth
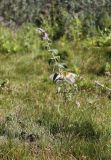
35	121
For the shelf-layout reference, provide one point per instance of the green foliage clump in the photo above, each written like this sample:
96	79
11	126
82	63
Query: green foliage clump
102	39
8	42
24	40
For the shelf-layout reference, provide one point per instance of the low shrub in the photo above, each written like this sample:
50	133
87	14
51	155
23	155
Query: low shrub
23	40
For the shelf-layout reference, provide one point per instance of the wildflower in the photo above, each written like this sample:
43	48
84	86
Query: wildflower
45	36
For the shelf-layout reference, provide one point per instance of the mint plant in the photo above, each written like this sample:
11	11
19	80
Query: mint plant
66	80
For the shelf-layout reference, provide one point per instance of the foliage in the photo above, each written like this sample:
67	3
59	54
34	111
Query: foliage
103	39
58	14
24	40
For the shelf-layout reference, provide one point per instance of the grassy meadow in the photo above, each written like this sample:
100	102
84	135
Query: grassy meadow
37	123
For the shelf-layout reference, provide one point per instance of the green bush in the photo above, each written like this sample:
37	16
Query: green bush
103	39
24	40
